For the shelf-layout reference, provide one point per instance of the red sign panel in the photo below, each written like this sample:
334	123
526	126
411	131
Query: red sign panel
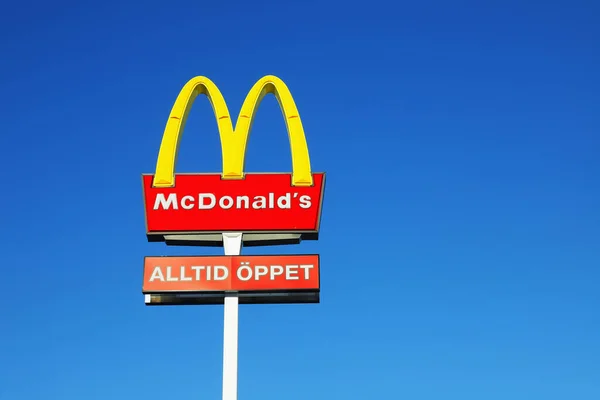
201	203
203	274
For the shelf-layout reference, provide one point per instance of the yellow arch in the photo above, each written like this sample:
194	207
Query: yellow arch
233	141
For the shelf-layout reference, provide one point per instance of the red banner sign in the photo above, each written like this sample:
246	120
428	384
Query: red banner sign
201	274
201	203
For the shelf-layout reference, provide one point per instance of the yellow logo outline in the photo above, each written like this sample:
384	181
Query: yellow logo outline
233	141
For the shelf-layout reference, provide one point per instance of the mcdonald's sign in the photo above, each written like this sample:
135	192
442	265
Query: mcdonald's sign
267	207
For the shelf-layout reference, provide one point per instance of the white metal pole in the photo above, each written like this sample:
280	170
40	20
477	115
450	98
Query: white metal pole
232	243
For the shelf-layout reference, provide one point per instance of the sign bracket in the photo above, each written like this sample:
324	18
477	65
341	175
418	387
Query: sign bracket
249	239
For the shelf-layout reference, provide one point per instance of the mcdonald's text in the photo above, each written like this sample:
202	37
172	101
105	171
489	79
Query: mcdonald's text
231	273
209	203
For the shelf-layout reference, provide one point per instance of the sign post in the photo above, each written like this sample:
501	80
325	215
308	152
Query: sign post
231	209
232	243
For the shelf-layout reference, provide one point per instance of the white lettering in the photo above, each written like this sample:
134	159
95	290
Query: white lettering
169	277
306	269
305	201
189	205
226	199
182	276
289	270
208	206
260	270
224	273
276	270
197	268
243	199
208	201
285	201
166	203
271	200
244	266
157	274
259	202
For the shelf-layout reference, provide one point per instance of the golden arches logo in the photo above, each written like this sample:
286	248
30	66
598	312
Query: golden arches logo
233	140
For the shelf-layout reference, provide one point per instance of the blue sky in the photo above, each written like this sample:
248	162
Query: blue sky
461	225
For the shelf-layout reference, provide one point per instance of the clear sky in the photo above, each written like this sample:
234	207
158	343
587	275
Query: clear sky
461	224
